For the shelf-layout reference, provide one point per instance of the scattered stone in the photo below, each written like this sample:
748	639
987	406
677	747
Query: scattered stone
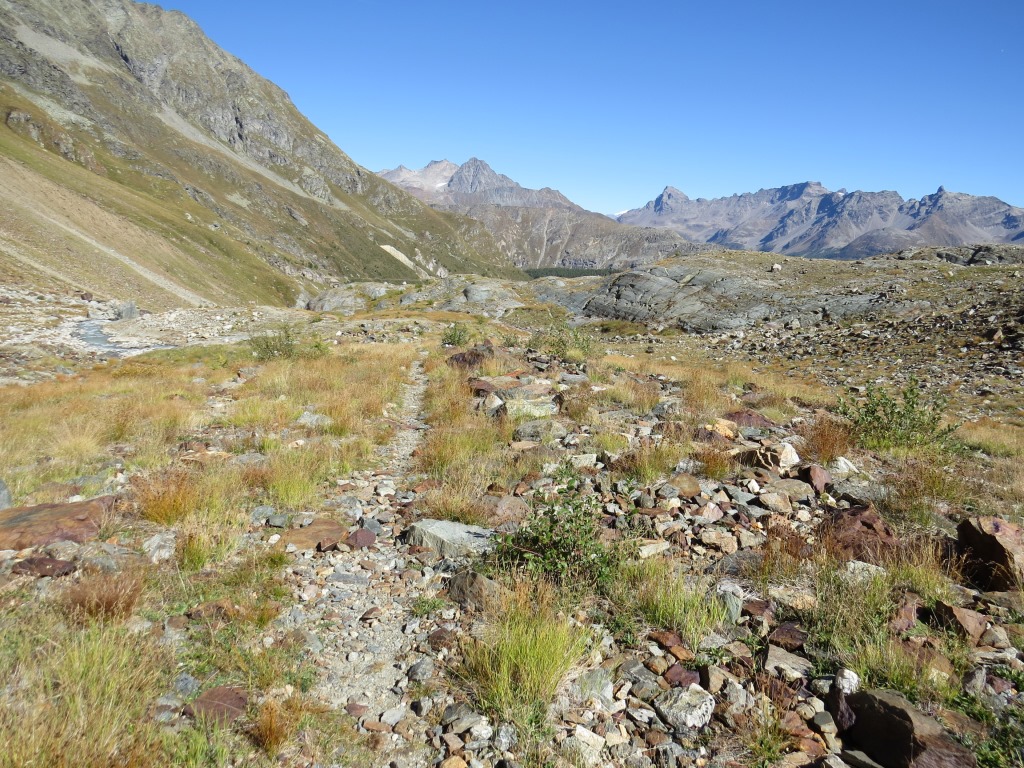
475	591
363	538
5	496
44	567
994	551
221	705
965	622
321	535
786	665
686	708
161	546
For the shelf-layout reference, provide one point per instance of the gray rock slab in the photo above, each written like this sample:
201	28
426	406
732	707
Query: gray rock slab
449	539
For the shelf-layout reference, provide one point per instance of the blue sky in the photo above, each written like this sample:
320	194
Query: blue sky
610	103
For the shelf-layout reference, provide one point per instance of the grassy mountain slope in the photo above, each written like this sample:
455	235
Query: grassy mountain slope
138	159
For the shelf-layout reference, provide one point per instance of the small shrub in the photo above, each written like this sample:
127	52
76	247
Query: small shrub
167	497
424	606
883	419
570	344
455	335
561	542
280	342
768	743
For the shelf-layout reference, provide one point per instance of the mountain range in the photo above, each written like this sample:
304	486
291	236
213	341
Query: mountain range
137	157
537	227
808	220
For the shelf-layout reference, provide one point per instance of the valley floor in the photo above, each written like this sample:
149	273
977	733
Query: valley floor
370	541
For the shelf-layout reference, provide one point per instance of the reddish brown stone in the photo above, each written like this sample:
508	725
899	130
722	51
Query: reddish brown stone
906	616
356	709
817	477
37	526
859	533
221	705
361	539
216	609
665	639
376	726
322	534
750	418
371	614
44	566
441	638
757	609
679	676
789	636
893	731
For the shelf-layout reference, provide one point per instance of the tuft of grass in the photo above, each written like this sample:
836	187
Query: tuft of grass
650	460
768	743
103	596
668	600
716	463
277	722
516	670
925	488
78	697
826	439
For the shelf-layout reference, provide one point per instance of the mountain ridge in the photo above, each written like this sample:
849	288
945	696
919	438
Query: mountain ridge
537	227
806	219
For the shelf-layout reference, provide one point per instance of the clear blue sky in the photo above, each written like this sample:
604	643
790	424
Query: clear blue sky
610	103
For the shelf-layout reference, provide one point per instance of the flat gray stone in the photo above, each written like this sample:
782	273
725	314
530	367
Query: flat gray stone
449	539
686	709
5	496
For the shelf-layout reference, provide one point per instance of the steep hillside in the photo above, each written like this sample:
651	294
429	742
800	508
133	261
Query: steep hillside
536	227
139	158
808	220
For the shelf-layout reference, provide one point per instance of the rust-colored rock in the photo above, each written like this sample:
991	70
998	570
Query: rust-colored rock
221	705
322	535
819	478
361	539
664	638
44	566
789	636
750	418
859	533
42	524
994	552
679	676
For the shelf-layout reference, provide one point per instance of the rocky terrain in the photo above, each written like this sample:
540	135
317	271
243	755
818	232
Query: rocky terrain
135	152
536	228
808	220
381	603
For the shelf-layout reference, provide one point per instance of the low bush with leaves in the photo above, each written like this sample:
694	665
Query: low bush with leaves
903	419
561	340
560	542
455	335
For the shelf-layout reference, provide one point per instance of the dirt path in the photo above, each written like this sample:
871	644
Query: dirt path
355	606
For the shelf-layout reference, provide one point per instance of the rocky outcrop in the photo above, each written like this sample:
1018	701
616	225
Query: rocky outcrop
808	220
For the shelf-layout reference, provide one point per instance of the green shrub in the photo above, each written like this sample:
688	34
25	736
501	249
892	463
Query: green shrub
884	419
280	342
560	542
562	341
455	335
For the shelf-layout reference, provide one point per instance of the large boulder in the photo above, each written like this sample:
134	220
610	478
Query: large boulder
449	539
896	734
993	550
36	526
